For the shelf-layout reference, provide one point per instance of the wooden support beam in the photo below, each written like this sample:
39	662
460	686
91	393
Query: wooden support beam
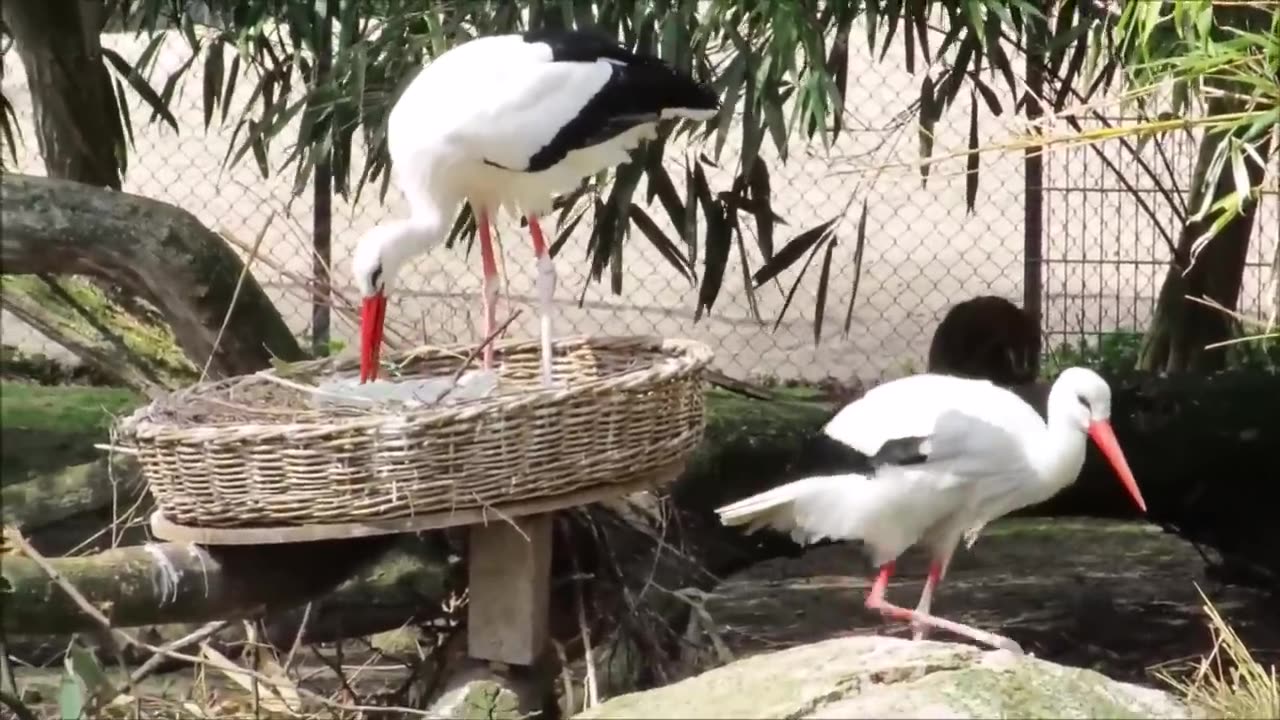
510	590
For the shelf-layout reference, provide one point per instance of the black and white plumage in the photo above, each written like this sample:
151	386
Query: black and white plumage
510	122
949	455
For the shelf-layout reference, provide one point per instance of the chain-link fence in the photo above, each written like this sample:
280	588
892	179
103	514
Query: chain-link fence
1104	257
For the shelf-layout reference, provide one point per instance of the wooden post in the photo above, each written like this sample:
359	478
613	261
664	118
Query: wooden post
510	577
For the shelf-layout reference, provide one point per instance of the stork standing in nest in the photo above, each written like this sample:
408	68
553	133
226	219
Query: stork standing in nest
511	121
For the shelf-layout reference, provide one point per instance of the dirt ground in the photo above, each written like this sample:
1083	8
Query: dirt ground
1116	597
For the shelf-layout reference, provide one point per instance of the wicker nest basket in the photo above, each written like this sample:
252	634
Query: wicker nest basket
255	451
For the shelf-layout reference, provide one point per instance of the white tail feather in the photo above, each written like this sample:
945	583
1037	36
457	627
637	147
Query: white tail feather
836	507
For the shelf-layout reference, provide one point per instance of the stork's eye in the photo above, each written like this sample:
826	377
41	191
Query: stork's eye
1084	401
376	277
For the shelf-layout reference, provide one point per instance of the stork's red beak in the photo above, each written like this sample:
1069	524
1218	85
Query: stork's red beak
371	315
1101	432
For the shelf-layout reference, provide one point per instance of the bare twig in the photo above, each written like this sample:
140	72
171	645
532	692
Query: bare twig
205	631
297	638
591	689
235	294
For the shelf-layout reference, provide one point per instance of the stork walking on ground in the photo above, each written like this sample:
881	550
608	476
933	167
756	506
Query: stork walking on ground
949	455
511	121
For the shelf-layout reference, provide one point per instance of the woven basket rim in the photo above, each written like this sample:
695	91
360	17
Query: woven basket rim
685	356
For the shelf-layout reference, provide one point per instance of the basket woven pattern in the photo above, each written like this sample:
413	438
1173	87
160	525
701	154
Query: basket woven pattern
252	451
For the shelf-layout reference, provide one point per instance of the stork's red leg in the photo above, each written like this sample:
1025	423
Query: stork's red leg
875	601
488	284
936	569
545	282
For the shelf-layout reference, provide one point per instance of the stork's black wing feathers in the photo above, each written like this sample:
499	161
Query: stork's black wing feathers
901	451
639	89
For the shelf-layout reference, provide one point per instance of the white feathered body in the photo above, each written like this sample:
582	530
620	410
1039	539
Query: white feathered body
986	453
467	125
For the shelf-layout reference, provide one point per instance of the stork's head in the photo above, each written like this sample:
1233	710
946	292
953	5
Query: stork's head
377	259
1082	399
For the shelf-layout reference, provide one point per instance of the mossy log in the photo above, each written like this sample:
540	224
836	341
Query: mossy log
135	349
155	251
178	583
49	498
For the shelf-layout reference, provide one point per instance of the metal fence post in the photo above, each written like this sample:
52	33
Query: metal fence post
322	211
1033	177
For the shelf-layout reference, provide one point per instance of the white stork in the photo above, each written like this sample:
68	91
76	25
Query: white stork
949	455
511	121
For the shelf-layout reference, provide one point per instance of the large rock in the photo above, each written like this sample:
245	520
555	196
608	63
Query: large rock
884	677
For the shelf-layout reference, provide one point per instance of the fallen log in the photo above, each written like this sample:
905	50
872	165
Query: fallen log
155	251
49	498
177	583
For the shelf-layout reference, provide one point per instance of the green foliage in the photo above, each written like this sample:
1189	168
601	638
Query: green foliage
1114	353
780	69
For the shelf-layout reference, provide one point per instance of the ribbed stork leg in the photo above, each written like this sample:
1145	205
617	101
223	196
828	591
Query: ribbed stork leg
876	601
488	285
545	283
937	569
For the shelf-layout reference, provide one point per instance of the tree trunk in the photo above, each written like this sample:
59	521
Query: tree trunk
154	250
76	117
1182	328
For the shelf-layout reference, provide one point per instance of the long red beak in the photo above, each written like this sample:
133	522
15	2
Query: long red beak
1101	432
372	314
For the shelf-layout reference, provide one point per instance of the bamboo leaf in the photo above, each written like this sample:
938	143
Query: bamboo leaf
795	285
971	162
792	251
927	119
776	122
660	241
988	95
838	68
761	196
893	13
660	184
212	80
1068	76
690	230
859	245
909	41
140	86
752	305
824	277
124	115
233	75
719	238
1240	176
259	148
565	232
733	79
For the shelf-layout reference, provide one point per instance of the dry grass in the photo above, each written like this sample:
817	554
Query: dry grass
1228	682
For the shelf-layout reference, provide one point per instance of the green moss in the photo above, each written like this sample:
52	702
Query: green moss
487	700
145	337
46	427
1027	690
